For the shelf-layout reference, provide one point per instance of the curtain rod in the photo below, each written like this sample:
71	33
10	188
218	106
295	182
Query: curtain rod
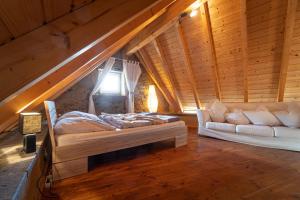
124	59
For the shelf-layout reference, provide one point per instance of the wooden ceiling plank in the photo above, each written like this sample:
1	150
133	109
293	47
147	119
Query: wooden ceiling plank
163	23
80	63
151	70
188	65
215	67
56	8
287	41
244	47
167	69
21	16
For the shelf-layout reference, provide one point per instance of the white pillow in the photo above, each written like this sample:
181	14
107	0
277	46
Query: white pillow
217	112
80	125
289	119
237	118
79	114
264	118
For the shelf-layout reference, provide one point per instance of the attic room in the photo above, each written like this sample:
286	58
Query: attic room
152	99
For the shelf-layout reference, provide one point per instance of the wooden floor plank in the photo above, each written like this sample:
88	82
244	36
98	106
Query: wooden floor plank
204	169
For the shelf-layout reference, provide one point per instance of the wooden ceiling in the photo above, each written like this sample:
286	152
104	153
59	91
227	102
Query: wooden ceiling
235	51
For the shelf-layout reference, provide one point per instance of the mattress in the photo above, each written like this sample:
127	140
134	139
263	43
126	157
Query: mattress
78	138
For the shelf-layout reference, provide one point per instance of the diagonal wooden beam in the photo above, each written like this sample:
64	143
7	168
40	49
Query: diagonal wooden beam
166	67
151	70
164	22
214	65
244	47
188	65
287	41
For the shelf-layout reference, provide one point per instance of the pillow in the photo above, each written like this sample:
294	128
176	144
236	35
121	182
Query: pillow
264	118
79	114
80	125
237	118
289	119
217	112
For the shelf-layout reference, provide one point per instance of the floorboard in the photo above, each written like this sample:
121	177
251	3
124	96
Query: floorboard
204	169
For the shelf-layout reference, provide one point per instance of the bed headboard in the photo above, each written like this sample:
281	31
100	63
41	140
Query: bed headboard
51	118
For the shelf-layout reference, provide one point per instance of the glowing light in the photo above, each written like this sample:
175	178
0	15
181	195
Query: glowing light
152	99
193	13
195	5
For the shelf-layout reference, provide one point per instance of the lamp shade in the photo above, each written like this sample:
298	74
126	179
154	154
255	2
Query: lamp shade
30	122
152	99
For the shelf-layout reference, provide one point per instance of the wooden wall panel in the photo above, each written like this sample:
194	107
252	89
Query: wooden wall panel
292	87
197	39
21	16
265	37
169	40
56	8
5	35
226	26
153	54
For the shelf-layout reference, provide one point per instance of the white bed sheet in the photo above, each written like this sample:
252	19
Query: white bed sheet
77	138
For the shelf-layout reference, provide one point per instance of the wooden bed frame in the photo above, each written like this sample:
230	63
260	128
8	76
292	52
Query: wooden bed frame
71	160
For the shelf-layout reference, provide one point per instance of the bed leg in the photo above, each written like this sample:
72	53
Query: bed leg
69	168
180	140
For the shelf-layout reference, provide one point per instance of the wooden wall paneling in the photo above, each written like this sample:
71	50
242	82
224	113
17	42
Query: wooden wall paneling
151	70
166	67
56	8
187	60
21	16
5	35
244	47
214	65
167	20
79	3
81	63
265	24
287	41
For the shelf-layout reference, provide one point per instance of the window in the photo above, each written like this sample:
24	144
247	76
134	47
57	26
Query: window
113	84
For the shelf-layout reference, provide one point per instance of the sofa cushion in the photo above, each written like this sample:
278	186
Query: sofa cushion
266	131
221	126
285	132
290	119
237	118
264	118
217	111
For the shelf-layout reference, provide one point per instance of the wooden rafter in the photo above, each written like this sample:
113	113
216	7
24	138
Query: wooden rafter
165	21
188	65
287	41
166	67
154	75
244	47
72	68
214	65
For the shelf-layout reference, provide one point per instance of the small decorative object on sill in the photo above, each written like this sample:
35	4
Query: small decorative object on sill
152	99
30	124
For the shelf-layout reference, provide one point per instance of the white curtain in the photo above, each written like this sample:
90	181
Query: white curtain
132	72
101	75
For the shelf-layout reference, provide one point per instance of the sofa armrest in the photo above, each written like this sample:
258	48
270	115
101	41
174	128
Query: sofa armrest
203	117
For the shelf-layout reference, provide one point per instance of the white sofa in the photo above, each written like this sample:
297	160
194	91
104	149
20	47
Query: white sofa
264	136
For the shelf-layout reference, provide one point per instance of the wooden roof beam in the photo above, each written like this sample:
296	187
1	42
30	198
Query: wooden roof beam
167	69
151	70
287	41
157	27
188	65
244	47
214	65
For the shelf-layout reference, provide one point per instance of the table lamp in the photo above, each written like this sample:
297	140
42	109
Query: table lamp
30	124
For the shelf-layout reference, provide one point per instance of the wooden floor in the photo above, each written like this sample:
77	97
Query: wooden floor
204	169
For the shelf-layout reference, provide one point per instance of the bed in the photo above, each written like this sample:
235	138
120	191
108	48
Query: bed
70	152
